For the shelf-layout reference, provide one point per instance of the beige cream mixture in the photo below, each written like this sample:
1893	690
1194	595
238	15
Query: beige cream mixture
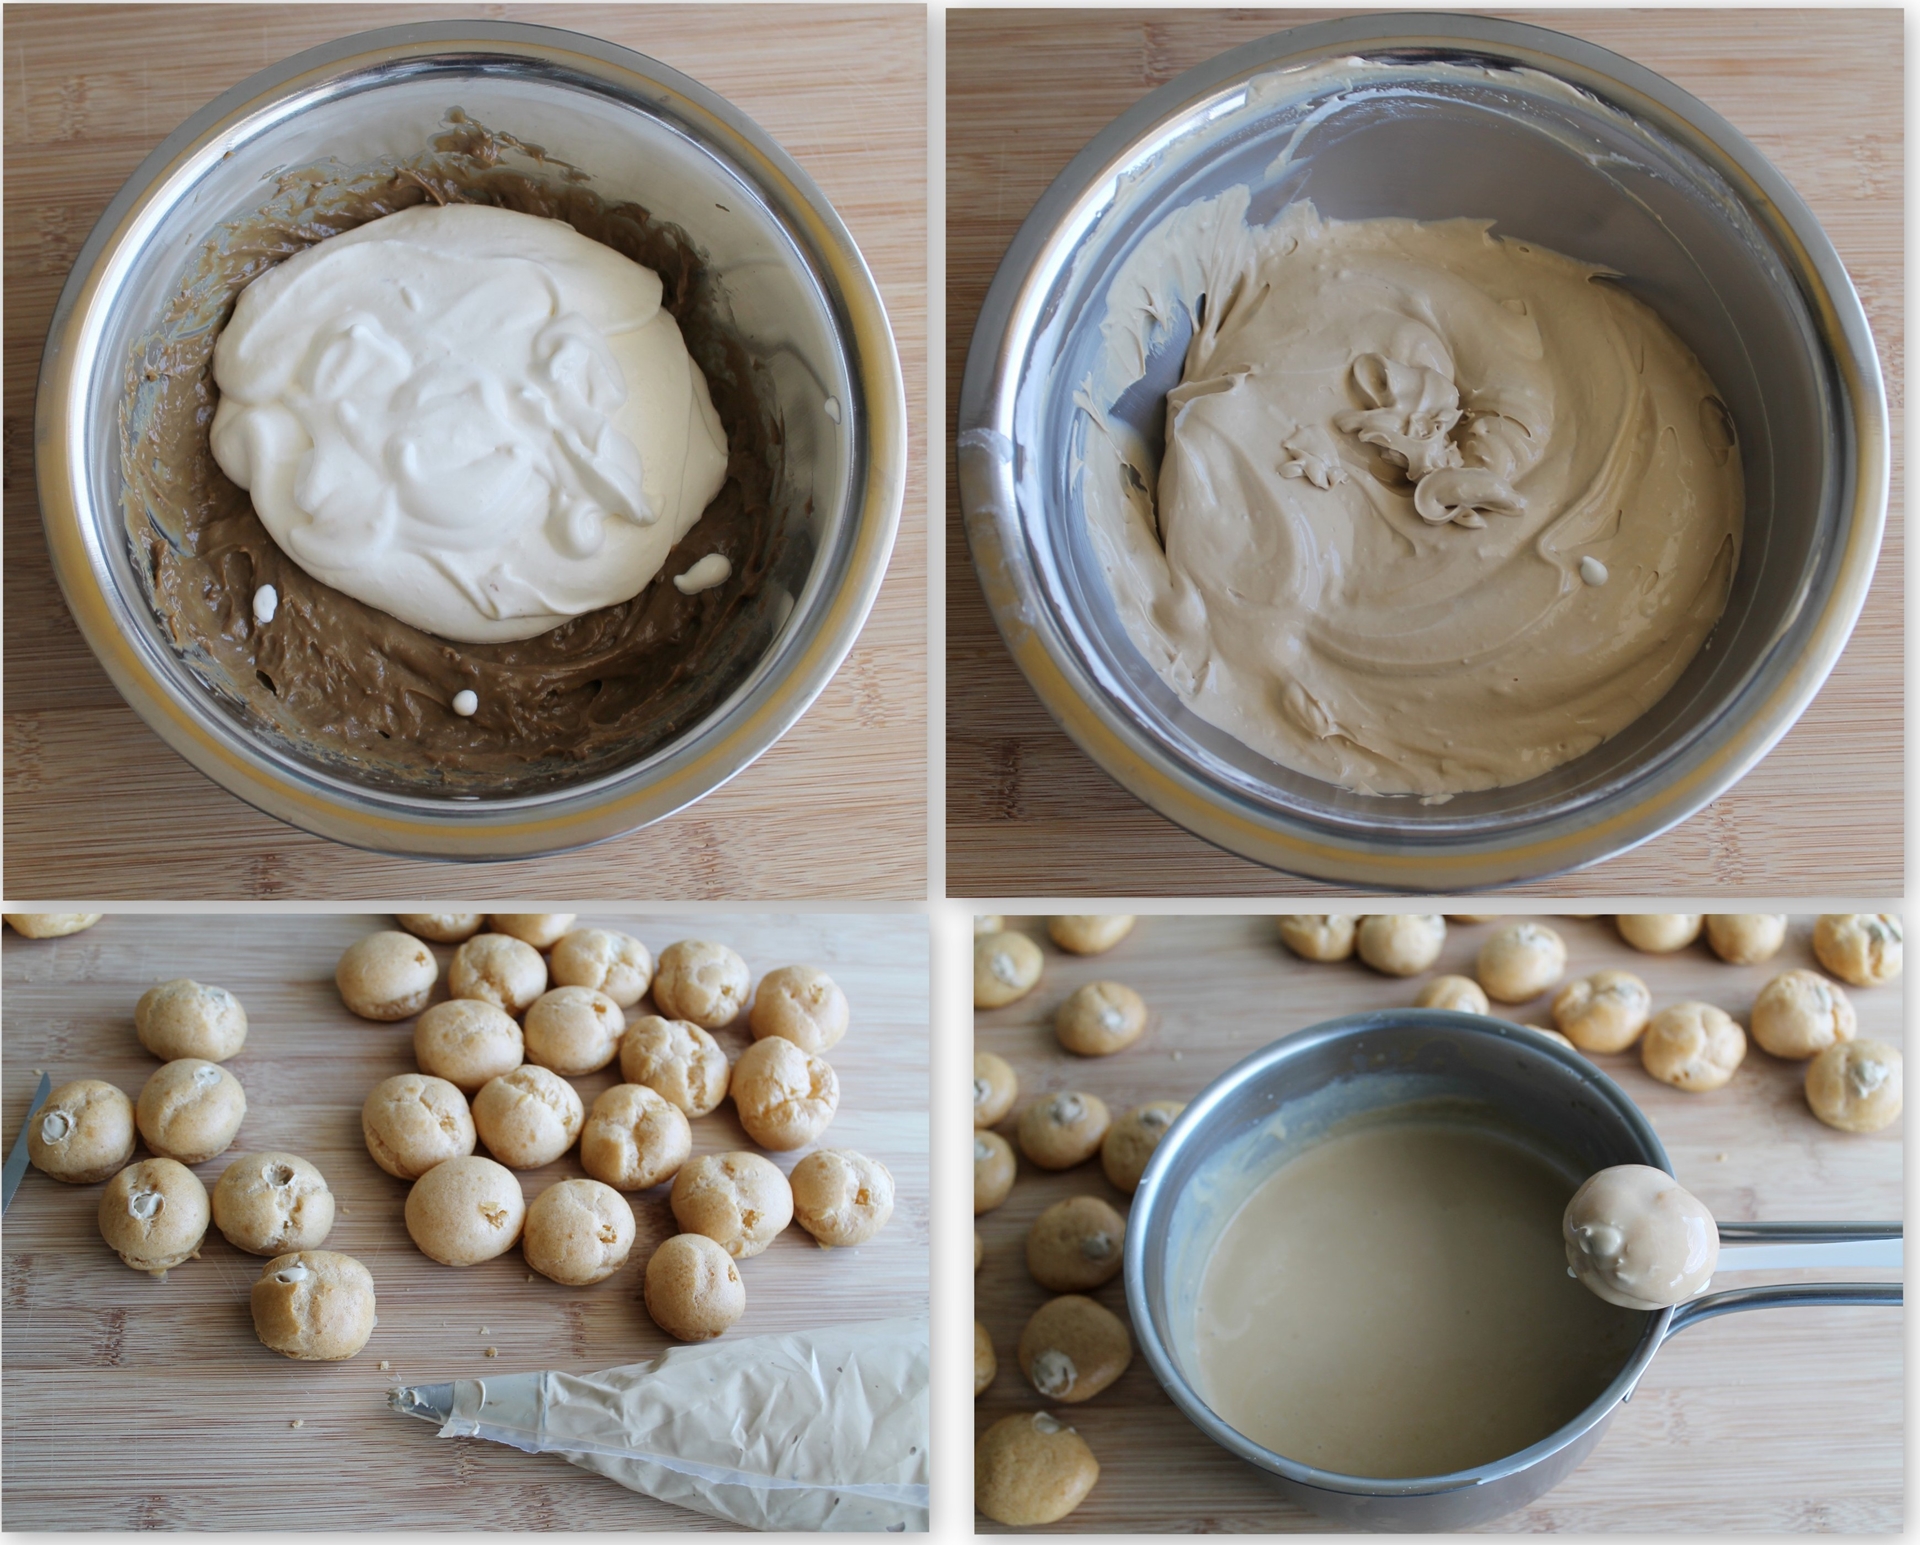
1395	1301
1437	511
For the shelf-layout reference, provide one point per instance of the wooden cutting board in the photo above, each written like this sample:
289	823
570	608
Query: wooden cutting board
1782	1421
134	1403
98	806
1820	92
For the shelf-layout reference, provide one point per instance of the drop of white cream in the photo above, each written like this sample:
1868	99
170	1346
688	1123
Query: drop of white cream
266	601
714	569
1593	571
466	704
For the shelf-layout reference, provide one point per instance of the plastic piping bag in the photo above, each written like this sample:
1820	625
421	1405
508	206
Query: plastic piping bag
823	1429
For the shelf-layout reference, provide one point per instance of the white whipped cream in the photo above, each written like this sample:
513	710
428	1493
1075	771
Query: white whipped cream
714	569
478	421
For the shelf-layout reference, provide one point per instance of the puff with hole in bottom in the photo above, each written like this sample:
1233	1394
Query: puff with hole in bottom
154	1214
315	1306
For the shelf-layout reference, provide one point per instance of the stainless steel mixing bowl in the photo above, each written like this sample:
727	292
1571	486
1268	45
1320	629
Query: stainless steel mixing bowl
1267	1108
803	304
1627	171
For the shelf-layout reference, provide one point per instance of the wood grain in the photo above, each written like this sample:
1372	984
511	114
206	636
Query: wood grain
131	1403
1819	92
1782	1421
97	805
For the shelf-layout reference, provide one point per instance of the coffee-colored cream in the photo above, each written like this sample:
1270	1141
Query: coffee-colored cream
1437	511
1395	1301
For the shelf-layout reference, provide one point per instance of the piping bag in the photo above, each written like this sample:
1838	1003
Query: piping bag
820	1429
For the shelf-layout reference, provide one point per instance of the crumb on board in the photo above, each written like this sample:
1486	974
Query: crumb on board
1719	1158
484	1331
385	1366
493	1351
296	1422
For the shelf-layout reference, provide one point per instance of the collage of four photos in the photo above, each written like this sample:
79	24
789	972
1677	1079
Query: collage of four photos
840	501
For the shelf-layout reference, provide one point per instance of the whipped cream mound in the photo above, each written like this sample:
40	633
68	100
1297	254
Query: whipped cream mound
479	422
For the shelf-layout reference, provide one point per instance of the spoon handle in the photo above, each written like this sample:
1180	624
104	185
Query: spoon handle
1794	1246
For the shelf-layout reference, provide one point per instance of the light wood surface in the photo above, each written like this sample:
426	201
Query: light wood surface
97	805
1819	92
1783	1421
134	1403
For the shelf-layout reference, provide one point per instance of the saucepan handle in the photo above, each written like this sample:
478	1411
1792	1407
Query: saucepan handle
1809	1246
1787	1246
1782	1296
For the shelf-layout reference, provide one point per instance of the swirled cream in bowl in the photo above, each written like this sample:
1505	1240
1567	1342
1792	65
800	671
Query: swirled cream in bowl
470	439
1423	451
1436	511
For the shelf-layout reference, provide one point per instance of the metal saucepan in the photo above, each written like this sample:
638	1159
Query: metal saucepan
1525	1082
